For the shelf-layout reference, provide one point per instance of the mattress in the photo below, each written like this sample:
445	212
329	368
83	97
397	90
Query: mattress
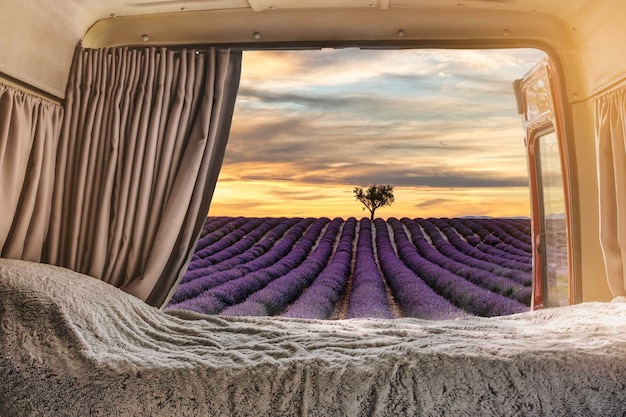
75	346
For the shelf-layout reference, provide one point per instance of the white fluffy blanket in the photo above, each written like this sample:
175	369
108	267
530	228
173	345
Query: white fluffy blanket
74	346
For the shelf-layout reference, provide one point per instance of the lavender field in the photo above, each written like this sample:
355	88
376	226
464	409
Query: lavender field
436	268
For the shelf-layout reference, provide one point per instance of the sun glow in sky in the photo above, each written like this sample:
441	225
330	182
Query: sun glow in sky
441	126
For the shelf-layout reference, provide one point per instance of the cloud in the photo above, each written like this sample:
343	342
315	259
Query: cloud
431	119
313	172
433	202
293	99
410	178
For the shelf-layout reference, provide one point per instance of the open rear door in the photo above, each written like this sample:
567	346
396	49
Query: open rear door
538	101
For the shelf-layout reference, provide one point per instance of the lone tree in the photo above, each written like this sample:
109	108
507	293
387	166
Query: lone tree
375	196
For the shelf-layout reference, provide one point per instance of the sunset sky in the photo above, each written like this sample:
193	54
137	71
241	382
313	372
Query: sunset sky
441	126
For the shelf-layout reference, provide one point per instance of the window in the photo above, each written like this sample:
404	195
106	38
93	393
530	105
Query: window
439	125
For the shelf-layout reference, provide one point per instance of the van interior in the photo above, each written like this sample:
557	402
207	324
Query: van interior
114	121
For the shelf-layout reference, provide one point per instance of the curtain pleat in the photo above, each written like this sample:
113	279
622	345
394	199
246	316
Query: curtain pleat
29	134
140	150
610	132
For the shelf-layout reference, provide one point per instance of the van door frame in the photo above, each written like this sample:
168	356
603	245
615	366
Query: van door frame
546	120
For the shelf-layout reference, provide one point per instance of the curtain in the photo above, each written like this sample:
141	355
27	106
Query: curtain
141	147
610	132
29	134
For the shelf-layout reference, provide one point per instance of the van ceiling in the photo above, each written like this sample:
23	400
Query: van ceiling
38	37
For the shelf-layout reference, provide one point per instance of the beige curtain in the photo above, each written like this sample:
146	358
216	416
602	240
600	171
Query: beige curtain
141	147
610	126
29	133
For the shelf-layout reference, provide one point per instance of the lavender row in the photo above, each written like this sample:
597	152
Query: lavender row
278	294
462	252
487	244
488	248
217	235
232	245
319	300
295	248
265	240
368	297
521	226
454	253
478	238
464	294
414	296
497	237
492	234
521	240
261	255
212	224
229	238
431	227
485	279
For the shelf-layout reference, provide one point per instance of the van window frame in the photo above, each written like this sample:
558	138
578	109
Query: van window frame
562	118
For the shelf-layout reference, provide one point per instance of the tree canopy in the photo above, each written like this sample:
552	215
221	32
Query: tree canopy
375	196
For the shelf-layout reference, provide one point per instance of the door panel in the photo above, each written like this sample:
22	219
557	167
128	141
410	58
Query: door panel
550	214
555	279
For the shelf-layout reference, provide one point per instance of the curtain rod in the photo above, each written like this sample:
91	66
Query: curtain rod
608	86
31	88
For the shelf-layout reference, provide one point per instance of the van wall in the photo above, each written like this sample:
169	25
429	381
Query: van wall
37	42
599	34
